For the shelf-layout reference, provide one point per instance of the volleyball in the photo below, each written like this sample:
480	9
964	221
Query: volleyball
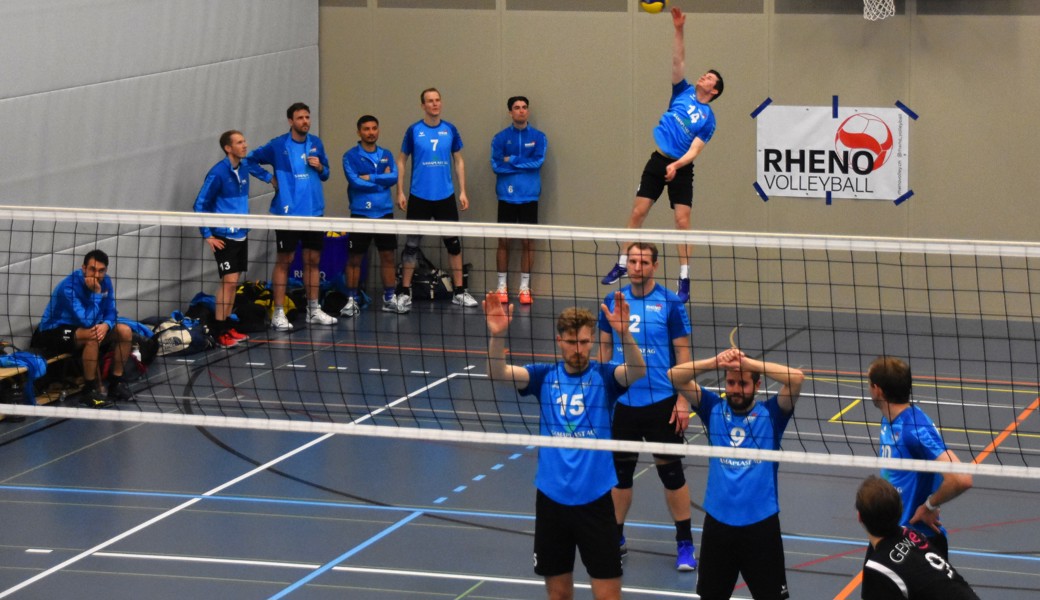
653	6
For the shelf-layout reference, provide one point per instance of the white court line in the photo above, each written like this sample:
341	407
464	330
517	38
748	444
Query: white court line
371	570
216	490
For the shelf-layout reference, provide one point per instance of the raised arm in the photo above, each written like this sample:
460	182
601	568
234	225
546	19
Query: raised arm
678	46
498	320
682	374
635	366
790	377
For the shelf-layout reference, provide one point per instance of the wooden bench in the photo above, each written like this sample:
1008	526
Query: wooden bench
8	375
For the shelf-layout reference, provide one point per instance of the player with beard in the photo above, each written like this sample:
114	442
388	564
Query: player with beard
576	396
742	523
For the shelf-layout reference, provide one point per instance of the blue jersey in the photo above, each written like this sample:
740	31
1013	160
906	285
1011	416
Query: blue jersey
299	185
912	435
370	198
225	191
431	149
578	406
685	119
742	491
73	303
654	320
519	179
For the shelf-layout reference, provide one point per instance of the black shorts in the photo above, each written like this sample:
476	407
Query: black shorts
61	340
232	258
559	529
524	214
286	240
754	551
652	183
420	209
646	424
358	242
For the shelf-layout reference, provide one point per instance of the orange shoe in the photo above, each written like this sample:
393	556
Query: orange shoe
525	296
503	295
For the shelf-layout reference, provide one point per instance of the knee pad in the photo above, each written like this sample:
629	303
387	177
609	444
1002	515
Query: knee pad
454	245
672	475
410	254
625	468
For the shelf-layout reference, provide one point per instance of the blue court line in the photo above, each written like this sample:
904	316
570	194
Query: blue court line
448	512
342	557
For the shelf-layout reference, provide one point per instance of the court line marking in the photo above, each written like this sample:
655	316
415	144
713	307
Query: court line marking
378	571
858	579
90	551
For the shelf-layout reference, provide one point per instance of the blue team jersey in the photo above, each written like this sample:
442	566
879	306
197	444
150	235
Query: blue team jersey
741	491
370	198
300	191
685	119
519	179
912	435
578	406
431	149
225	191
655	320
73	303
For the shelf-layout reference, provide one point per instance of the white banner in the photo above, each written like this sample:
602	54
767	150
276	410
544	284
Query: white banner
805	151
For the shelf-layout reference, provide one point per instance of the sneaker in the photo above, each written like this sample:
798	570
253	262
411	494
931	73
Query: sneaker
404	303
238	335
119	391
280	322
684	290
318	317
226	340
94	399
684	560
464	299
623	548
503	294
616	273
351	309
525	296
393	305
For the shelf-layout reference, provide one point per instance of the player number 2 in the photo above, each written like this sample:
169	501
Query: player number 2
575	405
633	323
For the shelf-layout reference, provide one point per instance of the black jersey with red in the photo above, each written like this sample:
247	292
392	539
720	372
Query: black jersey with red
905	566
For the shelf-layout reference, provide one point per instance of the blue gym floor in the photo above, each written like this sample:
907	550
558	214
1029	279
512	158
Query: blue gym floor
96	509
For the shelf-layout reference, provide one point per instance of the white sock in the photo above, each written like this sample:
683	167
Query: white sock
684	271
622	260
502	280
312	305
279	311
525	280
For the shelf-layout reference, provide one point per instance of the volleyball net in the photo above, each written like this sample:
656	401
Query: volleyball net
963	314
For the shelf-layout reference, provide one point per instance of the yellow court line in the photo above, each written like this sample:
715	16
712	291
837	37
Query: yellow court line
930	386
845	410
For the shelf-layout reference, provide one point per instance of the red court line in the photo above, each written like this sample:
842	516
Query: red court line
852	585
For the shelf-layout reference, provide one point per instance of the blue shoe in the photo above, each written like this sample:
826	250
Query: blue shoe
616	273
623	548
684	560
684	290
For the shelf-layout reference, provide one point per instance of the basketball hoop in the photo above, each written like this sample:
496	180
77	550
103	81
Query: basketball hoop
876	10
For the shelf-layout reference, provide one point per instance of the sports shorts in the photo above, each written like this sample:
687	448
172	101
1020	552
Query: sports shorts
525	213
233	257
286	240
559	529
646	423
754	551
358	242
652	183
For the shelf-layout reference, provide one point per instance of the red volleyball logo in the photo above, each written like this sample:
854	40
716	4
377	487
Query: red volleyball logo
867	132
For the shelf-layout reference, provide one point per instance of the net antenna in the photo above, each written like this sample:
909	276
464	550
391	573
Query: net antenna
877	10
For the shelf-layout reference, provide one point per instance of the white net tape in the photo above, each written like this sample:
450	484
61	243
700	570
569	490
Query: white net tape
876	10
